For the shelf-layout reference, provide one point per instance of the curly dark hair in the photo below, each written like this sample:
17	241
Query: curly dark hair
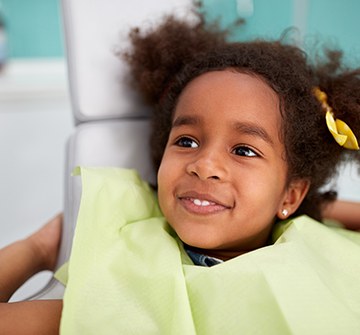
163	60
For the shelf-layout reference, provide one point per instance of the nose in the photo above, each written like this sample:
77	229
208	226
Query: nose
209	164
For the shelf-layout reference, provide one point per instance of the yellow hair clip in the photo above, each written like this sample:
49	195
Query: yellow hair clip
341	132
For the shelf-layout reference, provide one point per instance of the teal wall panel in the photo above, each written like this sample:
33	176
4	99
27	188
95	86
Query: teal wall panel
269	18
337	23
333	23
33	28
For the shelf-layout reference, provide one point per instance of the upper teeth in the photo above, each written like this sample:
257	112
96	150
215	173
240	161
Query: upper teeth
199	202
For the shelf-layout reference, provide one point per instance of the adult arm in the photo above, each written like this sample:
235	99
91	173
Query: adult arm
18	262
30	317
346	212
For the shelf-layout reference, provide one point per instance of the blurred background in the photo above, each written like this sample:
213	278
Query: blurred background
35	111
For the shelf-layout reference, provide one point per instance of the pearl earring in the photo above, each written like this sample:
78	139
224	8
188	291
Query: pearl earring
284	212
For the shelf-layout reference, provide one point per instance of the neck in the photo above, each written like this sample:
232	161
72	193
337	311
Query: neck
217	253
226	254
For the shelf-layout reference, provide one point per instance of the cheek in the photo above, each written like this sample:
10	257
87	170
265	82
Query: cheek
265	193
164	182
169	162
162	174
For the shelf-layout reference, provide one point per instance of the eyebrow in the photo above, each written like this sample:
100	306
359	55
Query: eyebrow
252	129
187	120
247	128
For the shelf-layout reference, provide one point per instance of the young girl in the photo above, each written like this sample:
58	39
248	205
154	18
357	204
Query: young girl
245	135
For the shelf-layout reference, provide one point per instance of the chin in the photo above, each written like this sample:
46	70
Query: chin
207	244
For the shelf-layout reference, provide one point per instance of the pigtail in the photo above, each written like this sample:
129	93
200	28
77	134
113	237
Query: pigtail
342	86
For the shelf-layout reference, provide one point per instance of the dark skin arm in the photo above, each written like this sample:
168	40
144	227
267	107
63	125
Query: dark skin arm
19	261
346	212
30	317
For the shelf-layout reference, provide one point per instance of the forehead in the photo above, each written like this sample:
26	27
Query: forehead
230	95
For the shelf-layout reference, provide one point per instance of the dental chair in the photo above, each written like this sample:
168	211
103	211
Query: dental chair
111	122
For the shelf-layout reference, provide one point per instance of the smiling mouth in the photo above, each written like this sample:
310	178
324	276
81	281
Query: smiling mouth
196	205
204	203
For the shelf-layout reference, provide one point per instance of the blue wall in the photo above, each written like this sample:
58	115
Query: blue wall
34	26
269	18
335	22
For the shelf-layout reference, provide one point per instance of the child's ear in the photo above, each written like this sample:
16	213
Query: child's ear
293	197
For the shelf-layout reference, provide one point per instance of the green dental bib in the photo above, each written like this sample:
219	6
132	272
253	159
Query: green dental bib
129	274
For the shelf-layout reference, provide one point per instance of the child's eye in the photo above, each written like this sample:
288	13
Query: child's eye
186	142
244	151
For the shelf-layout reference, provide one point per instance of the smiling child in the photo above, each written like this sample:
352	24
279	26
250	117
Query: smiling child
245	138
